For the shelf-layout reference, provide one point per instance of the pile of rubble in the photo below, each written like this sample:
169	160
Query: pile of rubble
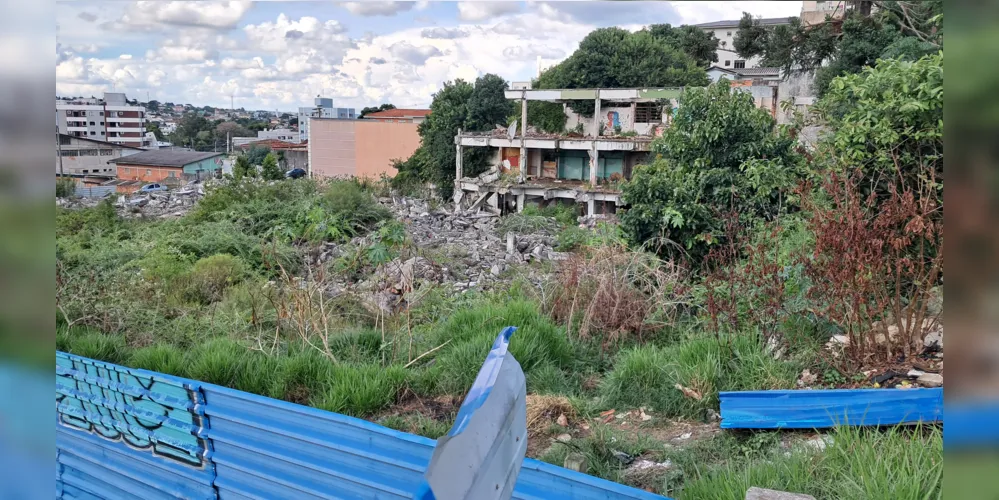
163	204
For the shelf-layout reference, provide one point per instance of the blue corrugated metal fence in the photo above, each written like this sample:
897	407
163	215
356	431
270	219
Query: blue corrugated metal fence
128	433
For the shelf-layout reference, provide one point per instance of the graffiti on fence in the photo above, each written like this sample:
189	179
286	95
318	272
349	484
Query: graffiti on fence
142	410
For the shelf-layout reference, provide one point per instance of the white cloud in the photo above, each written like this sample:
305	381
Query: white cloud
178	54
484	10
377	8
231	63
413	54
443	33
207	14
125	56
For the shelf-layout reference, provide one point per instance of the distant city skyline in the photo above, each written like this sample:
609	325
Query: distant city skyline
280	55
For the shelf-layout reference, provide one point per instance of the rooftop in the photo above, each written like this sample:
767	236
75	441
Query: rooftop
767	21
749	71
399	113
274	144
165	158
95	141
500	133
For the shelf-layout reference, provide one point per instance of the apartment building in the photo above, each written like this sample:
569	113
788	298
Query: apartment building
109	119
323	109
725	32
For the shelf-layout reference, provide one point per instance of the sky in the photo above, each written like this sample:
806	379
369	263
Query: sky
278	55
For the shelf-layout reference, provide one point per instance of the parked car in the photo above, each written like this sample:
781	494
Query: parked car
295	173
149	188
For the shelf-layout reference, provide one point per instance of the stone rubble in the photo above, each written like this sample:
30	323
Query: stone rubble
162	204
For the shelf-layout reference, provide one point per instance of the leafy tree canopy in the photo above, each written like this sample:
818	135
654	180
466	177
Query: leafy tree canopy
894	29
269	169
720	154
614	57
374	109
691	40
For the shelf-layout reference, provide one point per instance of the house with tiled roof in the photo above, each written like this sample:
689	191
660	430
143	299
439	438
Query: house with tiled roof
399	115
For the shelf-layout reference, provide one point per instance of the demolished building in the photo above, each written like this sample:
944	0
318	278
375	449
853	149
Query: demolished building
583	164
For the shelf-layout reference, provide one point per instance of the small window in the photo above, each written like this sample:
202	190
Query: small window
172	174
728	63
102	132
102	113
92	123
149	172
93	133
728	34
648	112
740	64
724	43
86	171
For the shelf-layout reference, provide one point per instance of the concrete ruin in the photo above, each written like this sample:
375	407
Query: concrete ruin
581	165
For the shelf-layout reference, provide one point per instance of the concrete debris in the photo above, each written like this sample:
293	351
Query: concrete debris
914	373
160	204
807	378
646	465
930	380
818	443
755	493
564	438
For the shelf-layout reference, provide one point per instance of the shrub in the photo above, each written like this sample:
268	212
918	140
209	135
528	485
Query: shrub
721	153
270	170
211	276
65	187
572	238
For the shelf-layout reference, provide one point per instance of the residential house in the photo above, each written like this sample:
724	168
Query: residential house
725	32
166	166
290	155
399	115
109	118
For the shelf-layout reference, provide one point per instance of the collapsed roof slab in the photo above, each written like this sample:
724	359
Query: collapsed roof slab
620	95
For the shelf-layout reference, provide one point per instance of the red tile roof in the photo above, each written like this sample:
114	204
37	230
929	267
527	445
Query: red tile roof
273	144
399	113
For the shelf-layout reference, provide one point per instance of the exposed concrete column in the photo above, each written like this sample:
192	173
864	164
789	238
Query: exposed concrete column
594	162
596	116
523	137
520	202
591	208
634	110
457	157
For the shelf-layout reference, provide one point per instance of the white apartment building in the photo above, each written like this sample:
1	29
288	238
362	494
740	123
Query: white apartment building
109	119
323	109
725	32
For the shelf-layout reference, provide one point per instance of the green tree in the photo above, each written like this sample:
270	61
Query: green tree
256	154
153	106
699	44
888	120
242	168
614	57
270	170
721	154
374	109
155	129
447	114
488	106
908	30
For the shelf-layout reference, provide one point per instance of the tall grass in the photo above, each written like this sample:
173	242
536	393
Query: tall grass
862	463
361	390
648	375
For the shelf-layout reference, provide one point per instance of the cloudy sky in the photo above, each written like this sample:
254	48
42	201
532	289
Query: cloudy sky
280	54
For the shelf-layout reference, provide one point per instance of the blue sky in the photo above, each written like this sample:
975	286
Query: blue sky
280	54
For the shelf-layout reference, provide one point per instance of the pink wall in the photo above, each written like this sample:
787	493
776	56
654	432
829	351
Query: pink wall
331	148
361	148
378	143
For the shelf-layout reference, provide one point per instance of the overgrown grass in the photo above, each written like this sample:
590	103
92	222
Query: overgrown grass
649	375
860	463
600	448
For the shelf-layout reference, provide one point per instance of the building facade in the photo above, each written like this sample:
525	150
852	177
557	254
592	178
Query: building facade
84	157
323	108
109	119
166	166
725	32
359	148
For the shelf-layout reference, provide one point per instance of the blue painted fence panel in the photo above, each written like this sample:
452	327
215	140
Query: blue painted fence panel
814	409
124	433
972	425
129	433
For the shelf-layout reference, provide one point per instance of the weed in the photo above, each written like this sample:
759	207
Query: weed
211	276
163	358
522	223
93	344
360	390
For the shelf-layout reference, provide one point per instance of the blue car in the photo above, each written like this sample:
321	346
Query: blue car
149	188
295	173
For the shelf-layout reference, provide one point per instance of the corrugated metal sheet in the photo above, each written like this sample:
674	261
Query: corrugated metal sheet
124	433
807	409
253	446
94	191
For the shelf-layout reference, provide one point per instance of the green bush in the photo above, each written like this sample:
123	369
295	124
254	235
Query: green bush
65	187
572	238
720	154
211	276
349	199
